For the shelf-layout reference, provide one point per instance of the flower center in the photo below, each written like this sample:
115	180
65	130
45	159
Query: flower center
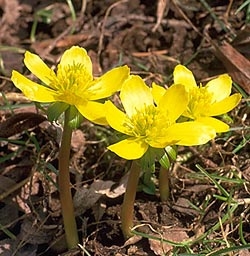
71	82
148	123
200	100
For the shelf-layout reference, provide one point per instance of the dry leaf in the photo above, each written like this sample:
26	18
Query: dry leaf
183	205
8	215
78	140
162	7
172	234
244	252
20	122
120	189
34	232
242	41
8	247
85	198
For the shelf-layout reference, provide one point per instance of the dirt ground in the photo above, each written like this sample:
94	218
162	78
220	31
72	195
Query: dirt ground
151	37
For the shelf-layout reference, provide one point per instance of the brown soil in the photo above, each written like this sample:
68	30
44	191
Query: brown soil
151	37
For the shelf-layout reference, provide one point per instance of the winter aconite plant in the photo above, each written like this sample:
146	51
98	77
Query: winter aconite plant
205	103
73	91
151	120
149	129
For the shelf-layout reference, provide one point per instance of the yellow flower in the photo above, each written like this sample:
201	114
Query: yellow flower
207	101
72	83
149	126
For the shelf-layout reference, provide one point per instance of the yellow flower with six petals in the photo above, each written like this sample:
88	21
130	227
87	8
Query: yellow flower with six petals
72	83
149	126
207	101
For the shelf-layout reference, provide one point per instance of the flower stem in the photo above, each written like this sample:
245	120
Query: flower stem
164	184
127	211
64	186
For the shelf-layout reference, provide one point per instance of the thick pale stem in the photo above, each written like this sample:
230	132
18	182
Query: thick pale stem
164	184
127	211
64	186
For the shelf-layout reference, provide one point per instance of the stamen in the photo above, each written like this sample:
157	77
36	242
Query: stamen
71	82
200	99
148	123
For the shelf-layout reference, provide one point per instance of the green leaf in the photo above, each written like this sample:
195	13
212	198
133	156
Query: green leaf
149	158
55	110
149	189
75	118
164	161
172	152
146	183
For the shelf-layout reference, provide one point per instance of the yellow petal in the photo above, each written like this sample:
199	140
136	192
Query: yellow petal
218	125
115	117
93	111
220	87
109	83
32	90
135	95
129	148
157	91
77	56
184	76
224	106
174	101
189	133
36	66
